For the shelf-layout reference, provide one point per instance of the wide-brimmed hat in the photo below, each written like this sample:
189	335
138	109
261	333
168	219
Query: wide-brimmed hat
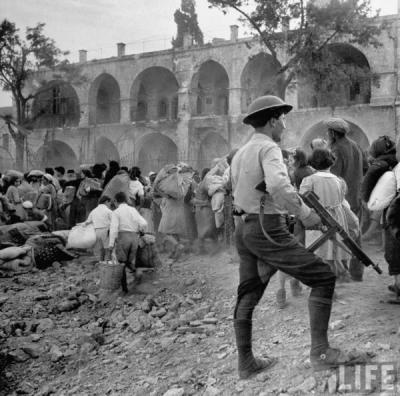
265	105
337	124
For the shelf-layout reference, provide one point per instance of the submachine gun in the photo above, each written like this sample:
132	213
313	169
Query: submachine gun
312	200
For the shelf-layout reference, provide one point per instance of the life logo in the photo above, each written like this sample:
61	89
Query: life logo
368	378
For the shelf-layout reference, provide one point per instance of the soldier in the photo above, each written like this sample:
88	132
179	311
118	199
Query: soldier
265	244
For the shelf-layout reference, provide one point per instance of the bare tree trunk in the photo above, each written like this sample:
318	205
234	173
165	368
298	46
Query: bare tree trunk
19	151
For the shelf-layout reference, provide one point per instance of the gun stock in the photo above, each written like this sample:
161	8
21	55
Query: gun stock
312	200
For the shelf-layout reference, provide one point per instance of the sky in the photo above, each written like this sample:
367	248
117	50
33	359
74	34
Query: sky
97	25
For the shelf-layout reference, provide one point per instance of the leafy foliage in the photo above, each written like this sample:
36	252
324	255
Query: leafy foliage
20	59
307	43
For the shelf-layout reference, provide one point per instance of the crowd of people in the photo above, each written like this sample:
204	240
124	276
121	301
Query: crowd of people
226	205
336	169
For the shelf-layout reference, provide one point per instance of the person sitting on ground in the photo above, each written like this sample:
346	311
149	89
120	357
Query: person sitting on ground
126	224
100	217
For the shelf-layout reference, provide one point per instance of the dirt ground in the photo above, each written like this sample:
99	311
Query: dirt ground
172	334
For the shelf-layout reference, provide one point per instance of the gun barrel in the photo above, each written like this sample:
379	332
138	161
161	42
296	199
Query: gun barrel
312	200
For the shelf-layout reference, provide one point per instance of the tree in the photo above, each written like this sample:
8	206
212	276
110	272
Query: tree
308	44
20	59
186	21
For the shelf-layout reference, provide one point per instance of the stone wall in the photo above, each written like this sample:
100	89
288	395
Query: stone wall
177	77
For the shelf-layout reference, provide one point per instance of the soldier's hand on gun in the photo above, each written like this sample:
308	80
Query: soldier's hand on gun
312	221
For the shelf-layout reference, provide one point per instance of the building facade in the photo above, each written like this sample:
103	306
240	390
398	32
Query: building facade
187	104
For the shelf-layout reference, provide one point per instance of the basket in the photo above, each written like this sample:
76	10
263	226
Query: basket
111	273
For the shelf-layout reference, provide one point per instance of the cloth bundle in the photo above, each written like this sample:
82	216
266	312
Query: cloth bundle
174	181
47	249
147	254
119	183
16	259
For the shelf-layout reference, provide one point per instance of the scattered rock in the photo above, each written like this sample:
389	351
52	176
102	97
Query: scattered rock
45	324
67	305
3	299
174	392
190	329
212	321
32	349
332	384
138	321
196	296
385	347
47	390
36	337
55	353
159	313
18	355
189	281
211	391
337	325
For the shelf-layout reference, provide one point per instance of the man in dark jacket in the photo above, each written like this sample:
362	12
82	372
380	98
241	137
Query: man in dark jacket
349	166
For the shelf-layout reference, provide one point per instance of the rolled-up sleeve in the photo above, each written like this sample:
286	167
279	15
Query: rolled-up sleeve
278	182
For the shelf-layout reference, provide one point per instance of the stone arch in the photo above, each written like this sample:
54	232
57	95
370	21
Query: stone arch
156	150
212	146
318	130
56	105
56	153
104	100
358	92
105	151
151	87
210	89
6	159
259	77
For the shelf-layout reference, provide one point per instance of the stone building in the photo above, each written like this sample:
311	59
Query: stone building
187	104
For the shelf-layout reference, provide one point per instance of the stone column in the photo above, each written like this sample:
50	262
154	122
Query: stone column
125	108
182	129
397	100
183	72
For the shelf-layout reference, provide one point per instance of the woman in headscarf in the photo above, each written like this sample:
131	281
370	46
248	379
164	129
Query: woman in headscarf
13	195
47	199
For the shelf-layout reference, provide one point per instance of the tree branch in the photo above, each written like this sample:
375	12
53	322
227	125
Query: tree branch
255	26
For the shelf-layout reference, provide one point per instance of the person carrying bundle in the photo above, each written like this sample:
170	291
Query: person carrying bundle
126	224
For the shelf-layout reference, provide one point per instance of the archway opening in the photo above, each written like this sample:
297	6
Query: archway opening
153	95
106	151
211	147
210	90
156	150
104	99
318	130
260	77
56	153
351	86
56	105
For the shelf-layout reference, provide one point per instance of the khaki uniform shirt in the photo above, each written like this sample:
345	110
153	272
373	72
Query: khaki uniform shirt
260	159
